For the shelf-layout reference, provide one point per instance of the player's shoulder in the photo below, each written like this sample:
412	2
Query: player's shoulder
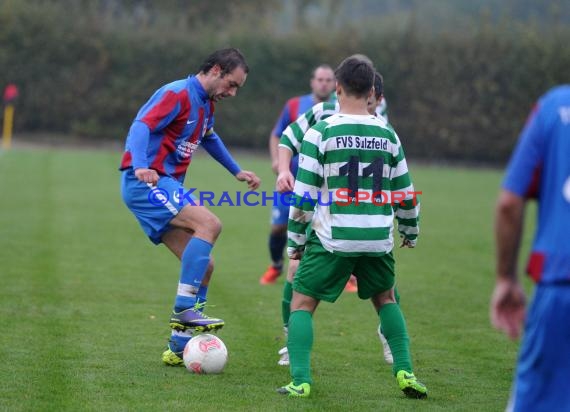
177	86
330	108
560	90
556	96
324	109
374	126
306	99
333	119
295	100
320	126
171	91
348	119
329	125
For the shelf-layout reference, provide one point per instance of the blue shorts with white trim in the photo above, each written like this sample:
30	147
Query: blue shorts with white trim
154	206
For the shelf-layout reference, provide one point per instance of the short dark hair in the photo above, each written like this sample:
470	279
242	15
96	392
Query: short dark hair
228	60
378	85
356	76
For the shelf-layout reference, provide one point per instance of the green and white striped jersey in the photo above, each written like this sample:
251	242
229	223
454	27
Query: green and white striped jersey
292	136
352	181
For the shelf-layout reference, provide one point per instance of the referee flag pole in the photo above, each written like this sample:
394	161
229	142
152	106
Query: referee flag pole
8	126
10	95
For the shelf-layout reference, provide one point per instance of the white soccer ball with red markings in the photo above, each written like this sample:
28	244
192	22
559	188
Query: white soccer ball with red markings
205	354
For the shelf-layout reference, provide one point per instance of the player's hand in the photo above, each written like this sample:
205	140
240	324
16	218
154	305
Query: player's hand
147	175
295	253
508	307
285	182
408	243
251	178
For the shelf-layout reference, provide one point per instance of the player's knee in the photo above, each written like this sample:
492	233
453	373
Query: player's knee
210	226
383	298
279	230
215	226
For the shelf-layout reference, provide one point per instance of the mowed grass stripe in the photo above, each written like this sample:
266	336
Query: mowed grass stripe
38	315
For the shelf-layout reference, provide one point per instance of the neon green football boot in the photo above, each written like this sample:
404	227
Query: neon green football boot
301	391
172	358
411	387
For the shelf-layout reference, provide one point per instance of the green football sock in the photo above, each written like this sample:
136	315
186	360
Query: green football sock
394	328
286	302
299	344
397	296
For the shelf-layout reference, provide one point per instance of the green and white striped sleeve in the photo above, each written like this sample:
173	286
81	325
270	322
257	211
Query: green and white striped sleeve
307	185
406	203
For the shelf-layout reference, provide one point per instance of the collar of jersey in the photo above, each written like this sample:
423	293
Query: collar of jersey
199	89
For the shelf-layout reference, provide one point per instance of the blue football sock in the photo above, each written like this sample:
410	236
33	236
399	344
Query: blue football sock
195	261
178	340
202	296
276	245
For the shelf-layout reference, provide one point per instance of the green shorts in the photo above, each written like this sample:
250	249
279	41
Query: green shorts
323	275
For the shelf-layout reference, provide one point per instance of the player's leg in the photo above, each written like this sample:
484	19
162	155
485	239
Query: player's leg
158	215
286	309
321	276
376	281
195	259
300	344
351	285
385	346
394	326
277	242
176	239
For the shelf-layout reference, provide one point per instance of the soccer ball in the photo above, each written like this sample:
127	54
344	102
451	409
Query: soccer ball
205	354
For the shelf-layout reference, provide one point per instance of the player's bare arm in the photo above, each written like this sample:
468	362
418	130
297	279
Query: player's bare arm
285	179
273	144
508	301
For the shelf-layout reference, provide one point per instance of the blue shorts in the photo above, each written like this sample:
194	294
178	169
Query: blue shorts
153	206
544	359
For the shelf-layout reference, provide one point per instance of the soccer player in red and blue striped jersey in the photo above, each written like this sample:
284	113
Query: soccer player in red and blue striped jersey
171	125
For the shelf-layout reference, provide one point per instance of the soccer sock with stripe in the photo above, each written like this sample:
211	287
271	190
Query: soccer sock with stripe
300	344
276	245
286	302
394	328
195	259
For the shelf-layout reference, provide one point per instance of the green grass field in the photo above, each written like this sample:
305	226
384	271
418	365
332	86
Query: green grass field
85	298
